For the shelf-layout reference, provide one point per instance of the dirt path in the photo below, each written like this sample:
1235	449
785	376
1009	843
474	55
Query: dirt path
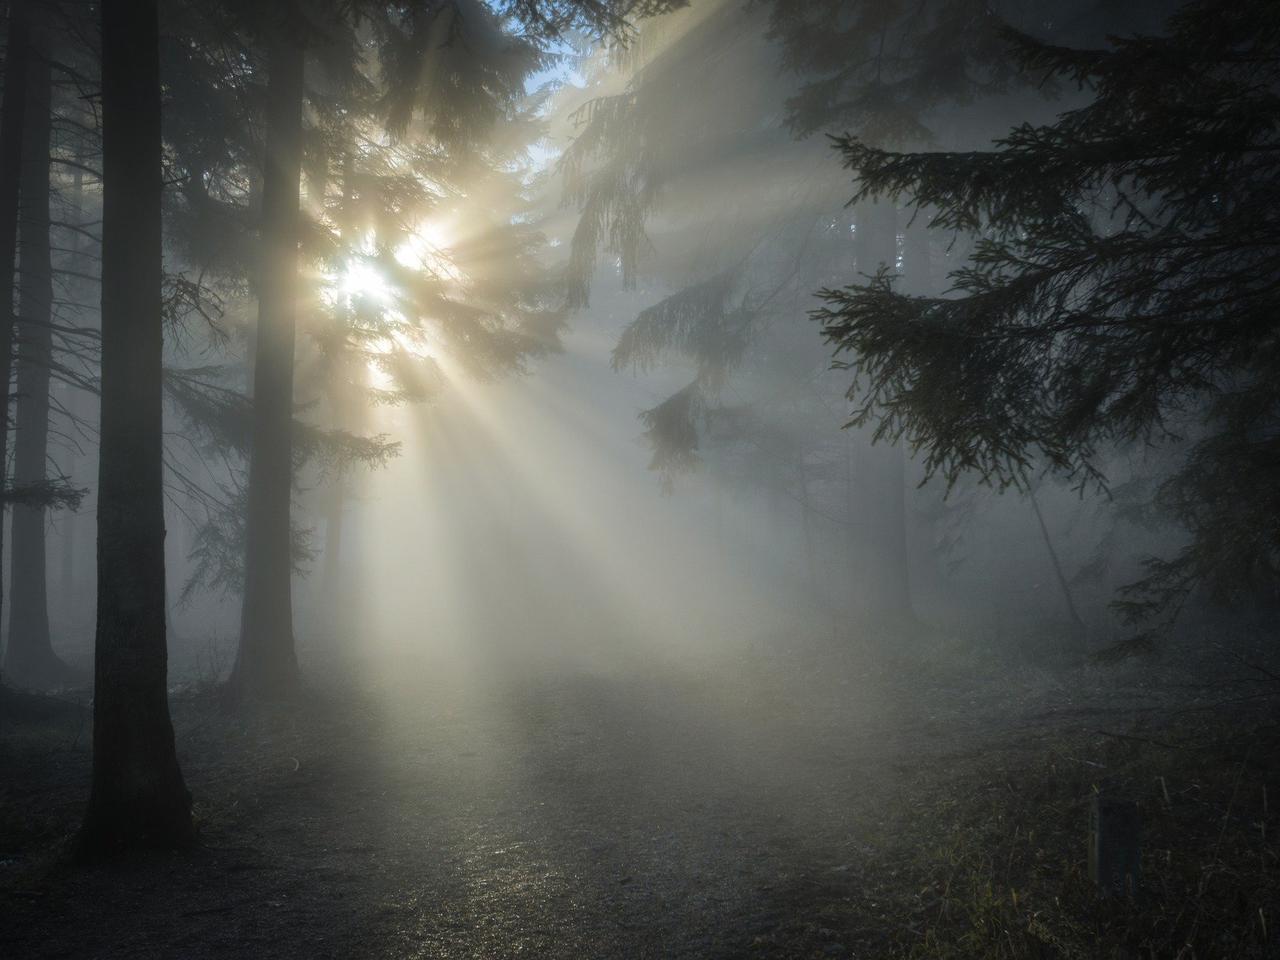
561	814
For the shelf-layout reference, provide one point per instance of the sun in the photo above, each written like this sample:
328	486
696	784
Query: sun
361	282
425	250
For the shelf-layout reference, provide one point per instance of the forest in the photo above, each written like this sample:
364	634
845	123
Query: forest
639	479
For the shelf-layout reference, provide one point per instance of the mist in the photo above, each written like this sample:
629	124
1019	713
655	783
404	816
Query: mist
689	478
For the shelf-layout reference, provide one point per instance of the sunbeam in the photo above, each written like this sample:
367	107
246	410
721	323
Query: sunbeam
639	478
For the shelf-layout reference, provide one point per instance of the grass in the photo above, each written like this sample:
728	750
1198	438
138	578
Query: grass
992	862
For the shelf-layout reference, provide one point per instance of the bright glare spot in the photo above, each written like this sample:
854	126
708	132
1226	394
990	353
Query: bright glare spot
362	280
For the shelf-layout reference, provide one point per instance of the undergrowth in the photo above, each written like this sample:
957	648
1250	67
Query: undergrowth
994	859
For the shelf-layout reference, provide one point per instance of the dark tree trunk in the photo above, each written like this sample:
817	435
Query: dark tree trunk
11	124
138	798
68	539
30	657
266	665
71	520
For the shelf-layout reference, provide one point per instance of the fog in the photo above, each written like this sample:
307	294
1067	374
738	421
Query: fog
789	478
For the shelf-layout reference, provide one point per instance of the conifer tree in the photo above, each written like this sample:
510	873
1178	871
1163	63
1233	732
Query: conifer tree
1124	287
635	161
453	70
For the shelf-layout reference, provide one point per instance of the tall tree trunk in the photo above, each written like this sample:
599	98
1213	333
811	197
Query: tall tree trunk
806	525
67	542
70	521
1079	631
138	798
335	504
30	655
883	480
266	664
897	567
341	406
11	123
853	526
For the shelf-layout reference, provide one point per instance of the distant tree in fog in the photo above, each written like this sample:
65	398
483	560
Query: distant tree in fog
29	656
716	196
11	130
392	115
1125	288
450	73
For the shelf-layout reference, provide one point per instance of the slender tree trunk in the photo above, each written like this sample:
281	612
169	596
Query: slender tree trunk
71	521
852	525
11	123
330	579
720	539
138	798
340	403
897	571
1069	601
884	476
346	369
266	664
921	277
806	524
30	655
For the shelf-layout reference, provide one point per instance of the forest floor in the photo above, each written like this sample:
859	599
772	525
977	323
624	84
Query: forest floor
794	804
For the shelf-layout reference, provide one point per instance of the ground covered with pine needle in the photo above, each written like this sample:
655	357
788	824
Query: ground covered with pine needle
825	801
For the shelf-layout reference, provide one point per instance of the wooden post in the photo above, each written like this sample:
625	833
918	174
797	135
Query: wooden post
1114	845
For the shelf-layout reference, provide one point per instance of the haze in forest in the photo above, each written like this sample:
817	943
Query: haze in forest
515	513
693	412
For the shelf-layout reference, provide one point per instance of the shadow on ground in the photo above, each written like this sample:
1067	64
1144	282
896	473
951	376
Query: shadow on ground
568	813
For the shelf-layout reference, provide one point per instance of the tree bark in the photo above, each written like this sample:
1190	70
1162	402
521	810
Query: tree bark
71	520
266	664
11	123
30	657
138	798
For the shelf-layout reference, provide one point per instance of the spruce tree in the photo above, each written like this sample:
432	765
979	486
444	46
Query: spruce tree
1123	291
458	69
